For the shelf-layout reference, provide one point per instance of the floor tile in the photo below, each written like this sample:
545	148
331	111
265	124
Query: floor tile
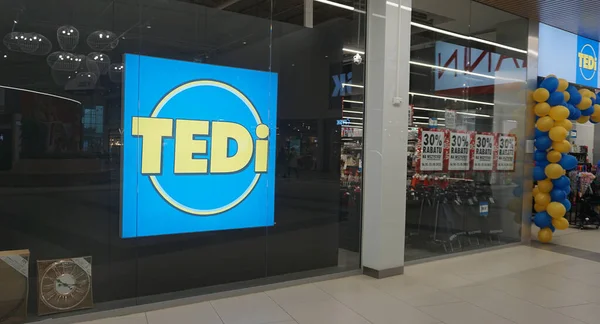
250	309
298	294
463	313
535	293
189	314
517	310
328	311
129	319
589	313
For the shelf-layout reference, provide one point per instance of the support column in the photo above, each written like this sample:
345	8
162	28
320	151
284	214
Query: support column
386	136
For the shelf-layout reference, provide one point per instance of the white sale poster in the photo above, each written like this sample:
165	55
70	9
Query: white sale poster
432	150
506	152
460	148
483	156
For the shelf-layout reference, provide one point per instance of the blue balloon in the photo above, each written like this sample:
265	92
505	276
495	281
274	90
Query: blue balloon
542	164
552	228
576	114
543	143
540	155
558	194
539	133
538	173
575	95
567	204
518	191
588	112
568	162
550	84
542	219
567	190
562	182
593	101
556	98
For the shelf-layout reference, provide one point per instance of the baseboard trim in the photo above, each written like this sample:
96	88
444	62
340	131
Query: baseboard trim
380	274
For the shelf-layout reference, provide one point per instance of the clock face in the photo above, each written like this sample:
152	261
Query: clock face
64	285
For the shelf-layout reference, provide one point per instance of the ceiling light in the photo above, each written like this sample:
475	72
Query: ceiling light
458	112
336	4
421	117
5	56
350	50
353	123
353	111
353	101
352	85
420	123
470	38
475	115
451	98
347	117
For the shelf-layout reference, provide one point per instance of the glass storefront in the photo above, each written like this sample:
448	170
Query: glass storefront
80	81
467	134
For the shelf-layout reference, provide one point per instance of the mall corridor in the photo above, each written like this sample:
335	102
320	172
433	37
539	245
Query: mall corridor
519	284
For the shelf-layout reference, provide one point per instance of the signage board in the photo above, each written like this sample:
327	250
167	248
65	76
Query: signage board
483	155
459	152
578	56
199	147
507	145
431	145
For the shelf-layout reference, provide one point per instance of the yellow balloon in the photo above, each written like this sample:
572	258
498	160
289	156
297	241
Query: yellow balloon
558	133
559	113
556	209
583	119
562	85
536	191
544	124
542	109
541	95
567	95
585	103
539	208
562	146
542	199
585	92
545	186
560	223
554	171
566	124
553	157
545	235
595	119
596	110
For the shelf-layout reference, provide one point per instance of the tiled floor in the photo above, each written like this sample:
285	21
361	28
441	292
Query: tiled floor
520	284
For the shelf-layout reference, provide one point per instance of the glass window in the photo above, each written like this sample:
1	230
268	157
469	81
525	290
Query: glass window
467	94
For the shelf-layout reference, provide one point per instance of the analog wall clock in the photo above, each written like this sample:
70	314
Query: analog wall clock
64	285
14	272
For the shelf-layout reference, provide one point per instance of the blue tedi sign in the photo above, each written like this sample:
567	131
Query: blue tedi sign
199	147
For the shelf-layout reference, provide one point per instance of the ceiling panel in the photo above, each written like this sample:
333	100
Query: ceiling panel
576	16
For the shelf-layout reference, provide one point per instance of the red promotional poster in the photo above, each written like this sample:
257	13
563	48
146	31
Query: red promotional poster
430	150
506	152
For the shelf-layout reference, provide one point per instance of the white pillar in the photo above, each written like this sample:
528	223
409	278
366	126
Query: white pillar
386	128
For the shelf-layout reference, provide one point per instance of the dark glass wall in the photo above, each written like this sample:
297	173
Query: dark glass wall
60	178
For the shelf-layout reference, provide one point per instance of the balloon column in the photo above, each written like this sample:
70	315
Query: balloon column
558	105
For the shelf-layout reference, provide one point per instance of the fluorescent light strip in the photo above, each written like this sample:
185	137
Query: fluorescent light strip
41	93
347	117
421	117
393	4
419	123
442	111
353	101
452	70
352	85
352	126
450	98
355	124
336	4
350	50
352	111
470	38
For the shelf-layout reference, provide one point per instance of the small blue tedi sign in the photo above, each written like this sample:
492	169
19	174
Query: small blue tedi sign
484	208
199	147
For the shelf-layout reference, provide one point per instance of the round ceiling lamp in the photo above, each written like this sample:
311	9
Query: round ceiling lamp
115	72
102	40
11	41
64	61
68	37
99	61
